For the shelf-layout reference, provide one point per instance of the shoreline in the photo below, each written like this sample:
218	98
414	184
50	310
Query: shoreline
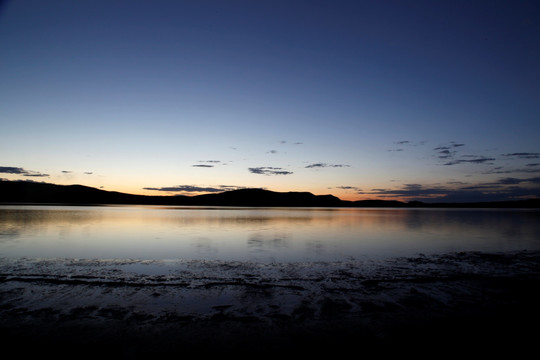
139	308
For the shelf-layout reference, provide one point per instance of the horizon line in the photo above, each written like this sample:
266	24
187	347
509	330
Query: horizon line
350	202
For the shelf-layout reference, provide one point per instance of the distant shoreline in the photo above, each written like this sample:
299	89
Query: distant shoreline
30	193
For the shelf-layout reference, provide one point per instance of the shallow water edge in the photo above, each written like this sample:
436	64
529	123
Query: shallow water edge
136	308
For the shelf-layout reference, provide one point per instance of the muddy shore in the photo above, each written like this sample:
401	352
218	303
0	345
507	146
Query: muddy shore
453	303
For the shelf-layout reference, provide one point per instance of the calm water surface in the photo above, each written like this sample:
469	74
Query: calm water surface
258	234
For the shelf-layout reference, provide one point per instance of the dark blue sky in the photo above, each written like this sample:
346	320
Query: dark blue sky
362	99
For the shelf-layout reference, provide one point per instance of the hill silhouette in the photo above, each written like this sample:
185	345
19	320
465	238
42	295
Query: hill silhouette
45	193
32	192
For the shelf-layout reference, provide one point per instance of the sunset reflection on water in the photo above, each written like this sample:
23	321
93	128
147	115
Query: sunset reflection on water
258	234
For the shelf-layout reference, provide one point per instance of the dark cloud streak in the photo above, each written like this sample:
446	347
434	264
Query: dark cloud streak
265	170
324	165
500	190
524	155
21	171
348	188
195	189
472	159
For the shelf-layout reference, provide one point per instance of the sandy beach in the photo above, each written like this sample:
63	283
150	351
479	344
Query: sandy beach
459	302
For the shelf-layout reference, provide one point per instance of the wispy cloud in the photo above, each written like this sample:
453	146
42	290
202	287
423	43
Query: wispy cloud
206	163
524	155
294	143
348	188
21	171
324	165
195	188
471	159
508	188
71	172
451	144
448	151
530	168
407	143
410	142
265	170
512	180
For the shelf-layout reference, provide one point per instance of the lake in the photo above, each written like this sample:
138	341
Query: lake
259	234
158	280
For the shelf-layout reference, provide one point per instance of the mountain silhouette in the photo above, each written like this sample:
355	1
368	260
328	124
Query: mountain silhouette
260	197
27	192
32	192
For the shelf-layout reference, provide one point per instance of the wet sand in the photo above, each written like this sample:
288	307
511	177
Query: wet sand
461	303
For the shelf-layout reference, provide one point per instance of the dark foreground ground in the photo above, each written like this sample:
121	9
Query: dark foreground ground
466	304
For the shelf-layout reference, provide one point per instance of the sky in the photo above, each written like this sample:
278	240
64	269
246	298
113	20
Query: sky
397	100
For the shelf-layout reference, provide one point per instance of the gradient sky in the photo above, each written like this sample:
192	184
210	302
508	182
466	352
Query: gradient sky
425	100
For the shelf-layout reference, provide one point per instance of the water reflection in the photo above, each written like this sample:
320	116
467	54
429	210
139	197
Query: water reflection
272	234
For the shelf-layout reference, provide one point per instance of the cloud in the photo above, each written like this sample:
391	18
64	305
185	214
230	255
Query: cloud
509	180
532	167
512	180
265	170
66	172
503	189
36	174
324	165
349	188
231	187
206	163
524	155
448	151
416	191
294	143
21	171
193	188
500	170
472	159
407	143
88	173
451	145
11	170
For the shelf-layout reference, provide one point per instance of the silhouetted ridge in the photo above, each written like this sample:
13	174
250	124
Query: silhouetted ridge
30	192
260	197
41	193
